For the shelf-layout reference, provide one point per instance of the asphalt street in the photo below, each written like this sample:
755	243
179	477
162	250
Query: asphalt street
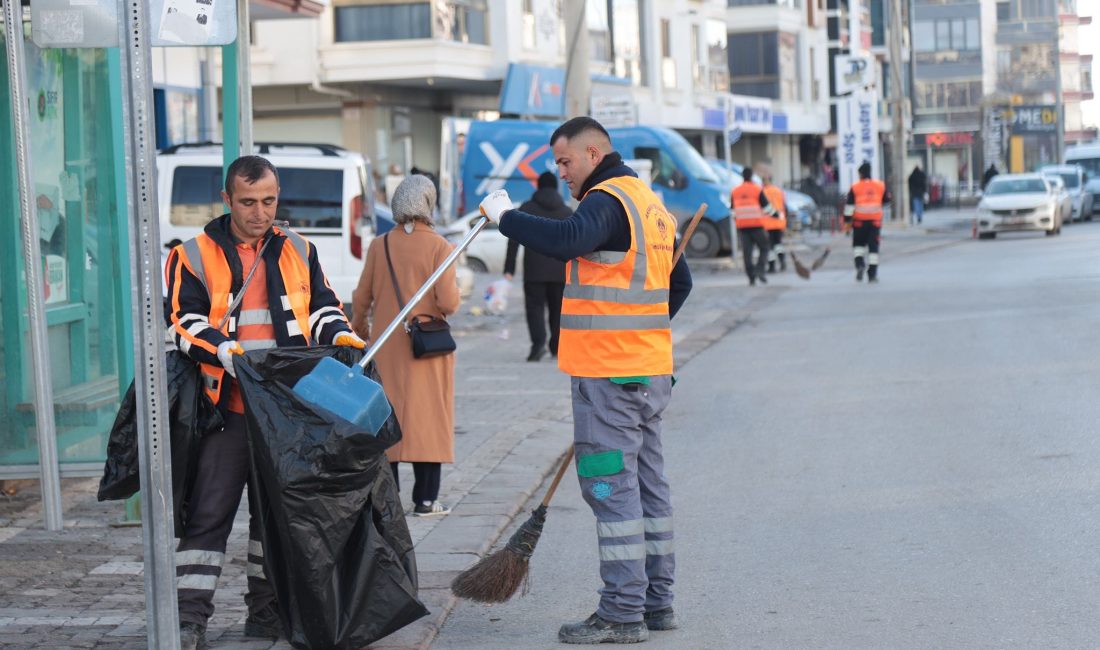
906	465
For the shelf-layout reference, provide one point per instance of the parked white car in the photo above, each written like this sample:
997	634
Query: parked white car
1019	202
1075	180
487	252
321	193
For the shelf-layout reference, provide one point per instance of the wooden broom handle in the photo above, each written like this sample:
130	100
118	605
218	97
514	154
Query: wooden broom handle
688	232
557	478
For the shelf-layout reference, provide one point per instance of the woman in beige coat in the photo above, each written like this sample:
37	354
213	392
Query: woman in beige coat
421	390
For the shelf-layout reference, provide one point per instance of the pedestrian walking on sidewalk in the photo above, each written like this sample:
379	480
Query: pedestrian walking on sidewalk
776	226
864	214
750	209
621	291
422	391
216	313
543	277
918	187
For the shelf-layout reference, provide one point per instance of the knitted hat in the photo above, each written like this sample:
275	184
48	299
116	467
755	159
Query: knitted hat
413	199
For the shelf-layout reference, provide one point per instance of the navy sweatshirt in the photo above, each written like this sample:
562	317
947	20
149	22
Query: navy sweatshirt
600	223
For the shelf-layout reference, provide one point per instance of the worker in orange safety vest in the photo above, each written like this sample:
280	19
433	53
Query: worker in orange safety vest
863	213
750	210
775	227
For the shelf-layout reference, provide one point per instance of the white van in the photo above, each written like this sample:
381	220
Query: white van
324	194
1087	157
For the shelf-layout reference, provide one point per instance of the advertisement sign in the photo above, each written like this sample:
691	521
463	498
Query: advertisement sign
749	114
614	110
533	90
857	136
852	72
1032	119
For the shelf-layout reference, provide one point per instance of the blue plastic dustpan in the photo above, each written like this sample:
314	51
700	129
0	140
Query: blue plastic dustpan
347	392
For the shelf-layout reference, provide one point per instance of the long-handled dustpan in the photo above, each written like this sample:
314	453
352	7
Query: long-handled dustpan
347	392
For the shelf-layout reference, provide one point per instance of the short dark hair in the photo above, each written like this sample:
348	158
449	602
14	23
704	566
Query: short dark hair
547	180
576	126
865	170
746	173
251	169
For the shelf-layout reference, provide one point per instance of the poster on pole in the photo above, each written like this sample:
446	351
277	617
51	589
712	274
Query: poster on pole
857	136
94	23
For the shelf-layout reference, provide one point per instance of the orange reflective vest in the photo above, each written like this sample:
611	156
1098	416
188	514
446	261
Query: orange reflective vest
746	205
614	311
205	259
869	194
775	198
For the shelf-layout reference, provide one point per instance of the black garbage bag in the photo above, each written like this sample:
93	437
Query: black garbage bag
190	415
337	549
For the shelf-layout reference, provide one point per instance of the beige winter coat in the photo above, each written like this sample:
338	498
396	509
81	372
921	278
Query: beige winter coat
421	390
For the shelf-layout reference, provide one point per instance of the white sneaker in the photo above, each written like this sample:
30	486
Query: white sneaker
430	509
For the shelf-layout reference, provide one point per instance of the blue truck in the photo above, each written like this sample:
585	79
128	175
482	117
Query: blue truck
510	155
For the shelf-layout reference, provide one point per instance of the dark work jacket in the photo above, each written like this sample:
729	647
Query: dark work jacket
545	202
918	184
599	224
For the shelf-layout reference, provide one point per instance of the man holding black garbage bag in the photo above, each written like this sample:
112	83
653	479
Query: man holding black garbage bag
243	284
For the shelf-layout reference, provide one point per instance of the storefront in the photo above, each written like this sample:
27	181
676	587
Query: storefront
75	144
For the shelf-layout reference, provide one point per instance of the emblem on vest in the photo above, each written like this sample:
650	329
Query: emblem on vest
658	215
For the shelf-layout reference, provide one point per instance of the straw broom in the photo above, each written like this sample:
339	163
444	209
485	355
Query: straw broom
497	577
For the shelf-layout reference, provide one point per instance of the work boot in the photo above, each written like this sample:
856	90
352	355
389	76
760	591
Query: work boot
536	353
660	620
597	630
771	267
192	636
264	623
763	278
752	281
859	274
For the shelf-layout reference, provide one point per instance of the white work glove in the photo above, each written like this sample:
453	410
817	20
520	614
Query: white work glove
350	339
496	204
226	351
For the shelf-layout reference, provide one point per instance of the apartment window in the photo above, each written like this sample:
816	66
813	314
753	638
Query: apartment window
383	22
754	65
955	34
718	77
1036	8
1003	11
668	65
462	20
599	34
790	79
543	26
935	96
794	4
615	37
698	72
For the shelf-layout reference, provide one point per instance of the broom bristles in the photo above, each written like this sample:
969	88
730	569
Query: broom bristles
496	577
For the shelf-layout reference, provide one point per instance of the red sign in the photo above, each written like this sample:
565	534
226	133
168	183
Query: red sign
948	139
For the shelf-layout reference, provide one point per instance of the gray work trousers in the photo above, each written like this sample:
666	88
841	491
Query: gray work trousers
620	465
220	477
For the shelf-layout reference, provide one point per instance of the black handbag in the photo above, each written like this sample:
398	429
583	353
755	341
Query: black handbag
430	337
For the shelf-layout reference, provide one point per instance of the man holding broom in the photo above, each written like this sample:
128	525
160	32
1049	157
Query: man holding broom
621	290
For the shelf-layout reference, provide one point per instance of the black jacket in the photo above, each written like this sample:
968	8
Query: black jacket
537	267
918	183
599	224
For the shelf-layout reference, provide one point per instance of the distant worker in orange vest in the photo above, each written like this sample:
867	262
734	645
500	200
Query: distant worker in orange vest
750	210
776	226
621	291
864	212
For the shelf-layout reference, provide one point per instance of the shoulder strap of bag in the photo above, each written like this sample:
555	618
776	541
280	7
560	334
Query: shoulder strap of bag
393	275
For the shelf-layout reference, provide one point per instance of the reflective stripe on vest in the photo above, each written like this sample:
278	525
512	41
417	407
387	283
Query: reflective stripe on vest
869	195
746	205
614	319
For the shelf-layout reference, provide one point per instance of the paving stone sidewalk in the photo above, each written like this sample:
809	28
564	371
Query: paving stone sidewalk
83	587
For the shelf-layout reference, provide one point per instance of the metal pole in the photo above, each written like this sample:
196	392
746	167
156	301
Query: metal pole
244	75
900	208
728	157
578	76
48	468
161	617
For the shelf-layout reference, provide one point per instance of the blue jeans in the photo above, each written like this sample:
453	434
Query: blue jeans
918	209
